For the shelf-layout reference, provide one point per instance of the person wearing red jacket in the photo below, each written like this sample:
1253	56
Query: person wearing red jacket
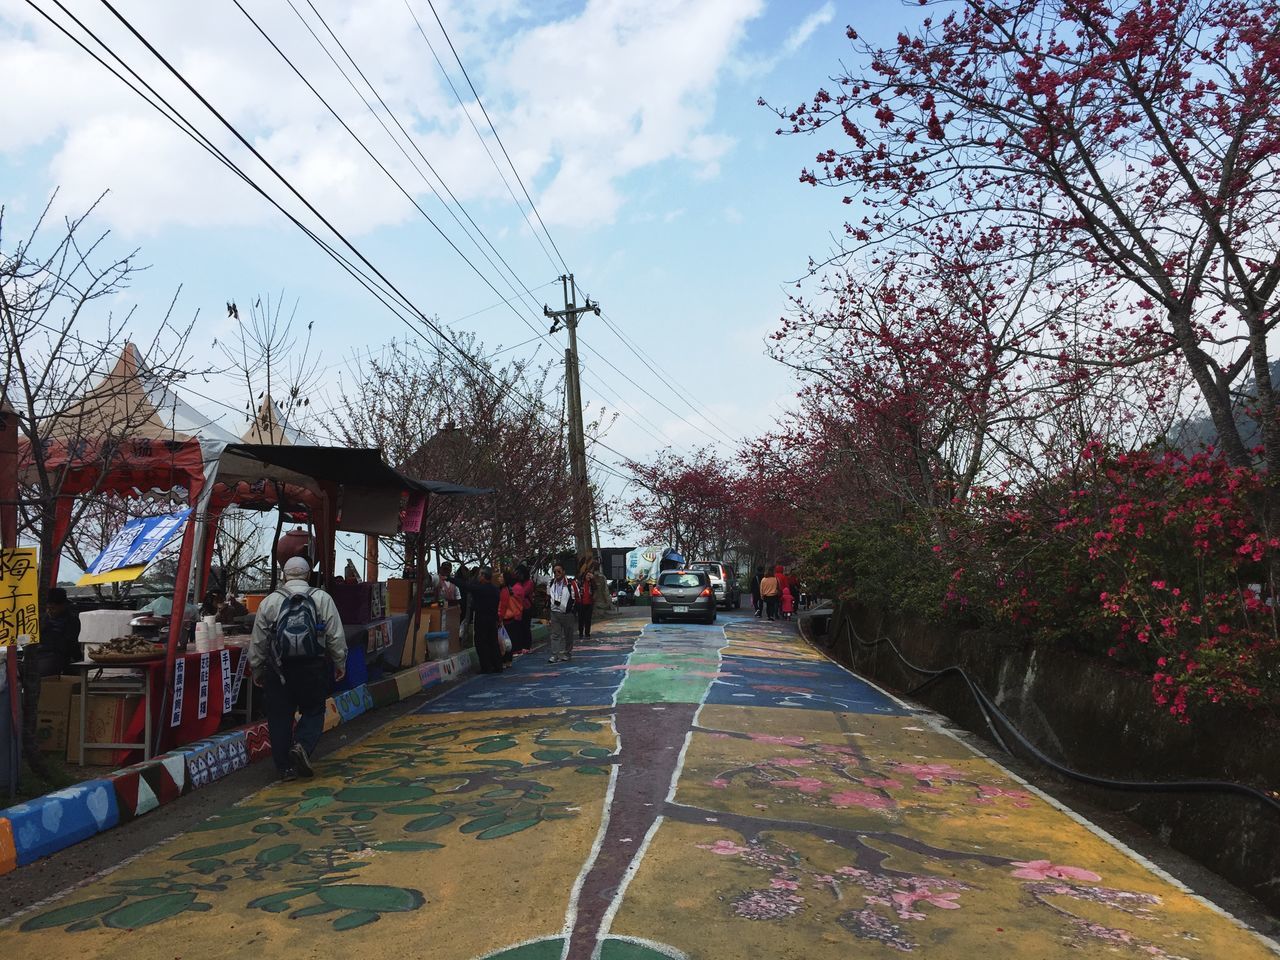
584	602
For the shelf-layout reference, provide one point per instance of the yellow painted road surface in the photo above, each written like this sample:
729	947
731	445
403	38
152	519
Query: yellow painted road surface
714	793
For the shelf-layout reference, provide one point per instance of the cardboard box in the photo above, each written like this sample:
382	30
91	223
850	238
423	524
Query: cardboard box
432	615
53	717
107	720
399	595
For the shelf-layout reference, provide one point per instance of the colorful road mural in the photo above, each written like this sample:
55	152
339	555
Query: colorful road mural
674	791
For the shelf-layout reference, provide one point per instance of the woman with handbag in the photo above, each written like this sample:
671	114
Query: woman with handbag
510	609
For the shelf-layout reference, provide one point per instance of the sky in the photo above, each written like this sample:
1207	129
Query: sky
634	124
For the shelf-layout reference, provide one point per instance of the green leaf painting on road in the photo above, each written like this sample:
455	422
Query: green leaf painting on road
298	851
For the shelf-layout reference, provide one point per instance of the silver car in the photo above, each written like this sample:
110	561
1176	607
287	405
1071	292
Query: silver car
682	594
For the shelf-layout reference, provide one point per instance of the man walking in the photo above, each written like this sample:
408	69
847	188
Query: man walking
756	600
563	622
296	634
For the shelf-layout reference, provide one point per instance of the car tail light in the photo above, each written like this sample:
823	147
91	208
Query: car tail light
706	591
655	592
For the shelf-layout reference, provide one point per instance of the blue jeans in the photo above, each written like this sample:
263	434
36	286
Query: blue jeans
304	691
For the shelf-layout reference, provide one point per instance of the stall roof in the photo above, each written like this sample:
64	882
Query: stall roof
267	428
131	399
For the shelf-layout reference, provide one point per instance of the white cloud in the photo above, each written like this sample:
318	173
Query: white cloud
808	27
796	39
581	102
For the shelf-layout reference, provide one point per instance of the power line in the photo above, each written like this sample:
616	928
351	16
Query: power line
484	143
178	119
412	142
381	166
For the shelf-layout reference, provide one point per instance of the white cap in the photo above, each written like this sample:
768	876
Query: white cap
296	568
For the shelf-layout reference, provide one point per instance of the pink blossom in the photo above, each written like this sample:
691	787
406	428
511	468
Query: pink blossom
905	901
769	738
791	761
778	884
930	771
803	784
860	798
987	793
718	783
1044	870
725	848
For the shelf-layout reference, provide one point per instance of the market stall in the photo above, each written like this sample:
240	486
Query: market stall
179	457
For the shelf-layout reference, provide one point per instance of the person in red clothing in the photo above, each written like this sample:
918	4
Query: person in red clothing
584	599
523	589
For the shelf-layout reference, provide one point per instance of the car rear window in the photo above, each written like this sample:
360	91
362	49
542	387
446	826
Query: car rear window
682	579
712	568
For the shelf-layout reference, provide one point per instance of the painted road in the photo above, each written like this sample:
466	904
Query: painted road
675	791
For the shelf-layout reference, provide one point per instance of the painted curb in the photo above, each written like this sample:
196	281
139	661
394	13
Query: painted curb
40	827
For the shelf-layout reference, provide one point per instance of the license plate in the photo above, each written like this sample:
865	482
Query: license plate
681	609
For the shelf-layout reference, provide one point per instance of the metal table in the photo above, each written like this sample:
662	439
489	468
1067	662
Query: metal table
125	678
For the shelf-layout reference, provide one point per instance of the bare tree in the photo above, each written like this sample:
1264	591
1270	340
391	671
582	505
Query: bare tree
275	365
56	284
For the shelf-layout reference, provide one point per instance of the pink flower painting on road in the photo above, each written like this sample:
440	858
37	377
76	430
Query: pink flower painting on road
803	784
1044	870
725	848
930	771
861	798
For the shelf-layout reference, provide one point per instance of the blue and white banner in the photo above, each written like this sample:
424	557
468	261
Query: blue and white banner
138	542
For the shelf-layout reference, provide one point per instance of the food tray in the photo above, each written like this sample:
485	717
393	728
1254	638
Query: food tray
107	657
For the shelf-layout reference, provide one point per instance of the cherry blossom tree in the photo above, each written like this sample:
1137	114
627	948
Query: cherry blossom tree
1140	135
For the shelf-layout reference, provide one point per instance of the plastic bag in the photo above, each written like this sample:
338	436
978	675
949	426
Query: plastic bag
504	639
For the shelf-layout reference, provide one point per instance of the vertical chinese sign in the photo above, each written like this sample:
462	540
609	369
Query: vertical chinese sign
19	596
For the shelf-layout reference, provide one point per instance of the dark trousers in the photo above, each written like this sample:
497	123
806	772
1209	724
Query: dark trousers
487	650
524	641
771	607
757	604
585	610
304	691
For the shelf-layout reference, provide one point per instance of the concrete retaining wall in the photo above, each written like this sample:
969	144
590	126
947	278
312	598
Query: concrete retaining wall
1102	721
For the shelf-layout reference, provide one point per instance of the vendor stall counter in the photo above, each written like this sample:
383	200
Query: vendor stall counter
206	694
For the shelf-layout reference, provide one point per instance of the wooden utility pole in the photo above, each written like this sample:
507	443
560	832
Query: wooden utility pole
577	432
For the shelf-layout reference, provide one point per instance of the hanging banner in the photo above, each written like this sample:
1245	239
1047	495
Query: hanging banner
179	685
227	681
203	704
411	521
135	546
241	666
19	596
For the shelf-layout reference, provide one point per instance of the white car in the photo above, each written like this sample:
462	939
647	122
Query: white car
724	582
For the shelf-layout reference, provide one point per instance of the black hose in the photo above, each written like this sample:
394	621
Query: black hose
990	710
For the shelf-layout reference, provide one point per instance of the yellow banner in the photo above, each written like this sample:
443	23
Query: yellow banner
19	595
122	575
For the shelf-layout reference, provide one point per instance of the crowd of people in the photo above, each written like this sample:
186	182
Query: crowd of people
778	594
497	608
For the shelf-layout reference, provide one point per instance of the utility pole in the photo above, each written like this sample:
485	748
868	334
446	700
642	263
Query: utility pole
577	432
